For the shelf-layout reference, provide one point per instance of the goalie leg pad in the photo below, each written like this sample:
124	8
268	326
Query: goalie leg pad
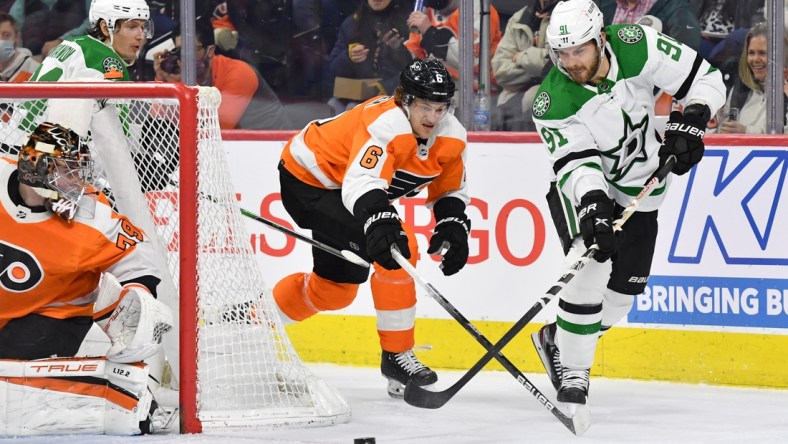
72	396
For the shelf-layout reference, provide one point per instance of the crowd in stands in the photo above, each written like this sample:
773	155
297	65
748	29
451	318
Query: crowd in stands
278	61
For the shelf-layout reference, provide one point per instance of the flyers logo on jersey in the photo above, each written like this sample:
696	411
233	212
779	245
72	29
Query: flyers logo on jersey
19	269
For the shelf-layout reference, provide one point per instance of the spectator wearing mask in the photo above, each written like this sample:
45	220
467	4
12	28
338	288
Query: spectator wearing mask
46	23
248	102
16	63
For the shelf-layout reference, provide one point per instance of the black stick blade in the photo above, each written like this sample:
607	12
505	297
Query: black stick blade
418	396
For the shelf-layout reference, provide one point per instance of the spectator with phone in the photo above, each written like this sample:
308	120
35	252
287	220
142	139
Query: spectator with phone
248	102
370	45
747	95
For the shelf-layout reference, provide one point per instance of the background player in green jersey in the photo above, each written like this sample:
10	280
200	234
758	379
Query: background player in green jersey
118	30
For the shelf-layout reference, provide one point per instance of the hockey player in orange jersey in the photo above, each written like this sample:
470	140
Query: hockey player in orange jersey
339	177
58	236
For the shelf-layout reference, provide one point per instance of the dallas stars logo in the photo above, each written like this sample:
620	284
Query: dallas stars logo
541	104
113	68
630	34
629	149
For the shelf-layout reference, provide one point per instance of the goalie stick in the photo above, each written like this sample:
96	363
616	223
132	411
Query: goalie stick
579	423
344	254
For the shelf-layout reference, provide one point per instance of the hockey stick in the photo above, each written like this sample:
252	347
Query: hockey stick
344	254
419	397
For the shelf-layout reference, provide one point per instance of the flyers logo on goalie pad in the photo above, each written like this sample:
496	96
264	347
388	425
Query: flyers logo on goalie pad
19	269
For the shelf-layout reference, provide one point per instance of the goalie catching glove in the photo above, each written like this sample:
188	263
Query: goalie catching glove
452	229
137	323
596	223
684	137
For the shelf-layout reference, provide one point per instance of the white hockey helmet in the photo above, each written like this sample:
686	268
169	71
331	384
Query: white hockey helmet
114	10
572	23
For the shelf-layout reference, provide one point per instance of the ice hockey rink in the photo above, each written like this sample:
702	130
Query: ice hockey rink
494	408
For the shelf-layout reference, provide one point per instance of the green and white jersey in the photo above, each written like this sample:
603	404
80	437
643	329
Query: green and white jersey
603	137
81	59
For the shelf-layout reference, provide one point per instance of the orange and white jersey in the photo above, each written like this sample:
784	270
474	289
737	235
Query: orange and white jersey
51	267
372	146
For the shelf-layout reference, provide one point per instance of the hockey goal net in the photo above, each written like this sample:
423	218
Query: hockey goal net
159	153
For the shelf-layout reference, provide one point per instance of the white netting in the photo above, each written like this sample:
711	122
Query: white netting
247	371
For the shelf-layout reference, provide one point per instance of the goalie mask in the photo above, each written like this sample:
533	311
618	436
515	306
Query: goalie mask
57	165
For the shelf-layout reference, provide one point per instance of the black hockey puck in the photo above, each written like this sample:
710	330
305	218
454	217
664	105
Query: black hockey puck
370	440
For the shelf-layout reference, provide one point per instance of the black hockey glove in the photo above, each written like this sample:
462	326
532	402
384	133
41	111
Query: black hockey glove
453	231
684	138
596	223
384	229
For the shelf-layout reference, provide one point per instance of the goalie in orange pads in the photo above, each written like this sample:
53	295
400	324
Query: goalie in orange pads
339	177
59	239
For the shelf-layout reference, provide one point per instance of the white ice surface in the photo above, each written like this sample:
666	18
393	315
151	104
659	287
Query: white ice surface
494	408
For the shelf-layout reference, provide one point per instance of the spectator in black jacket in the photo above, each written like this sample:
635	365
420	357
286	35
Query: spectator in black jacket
370	44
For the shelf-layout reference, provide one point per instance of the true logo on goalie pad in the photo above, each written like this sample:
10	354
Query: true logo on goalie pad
63	368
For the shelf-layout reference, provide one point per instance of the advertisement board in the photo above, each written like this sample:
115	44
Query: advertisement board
714	310
720	260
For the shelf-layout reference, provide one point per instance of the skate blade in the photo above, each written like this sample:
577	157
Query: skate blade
581	416
544	358
397	390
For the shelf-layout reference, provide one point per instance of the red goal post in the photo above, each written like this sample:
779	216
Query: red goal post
225	345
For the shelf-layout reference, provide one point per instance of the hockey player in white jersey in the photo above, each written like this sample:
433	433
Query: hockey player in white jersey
595	114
